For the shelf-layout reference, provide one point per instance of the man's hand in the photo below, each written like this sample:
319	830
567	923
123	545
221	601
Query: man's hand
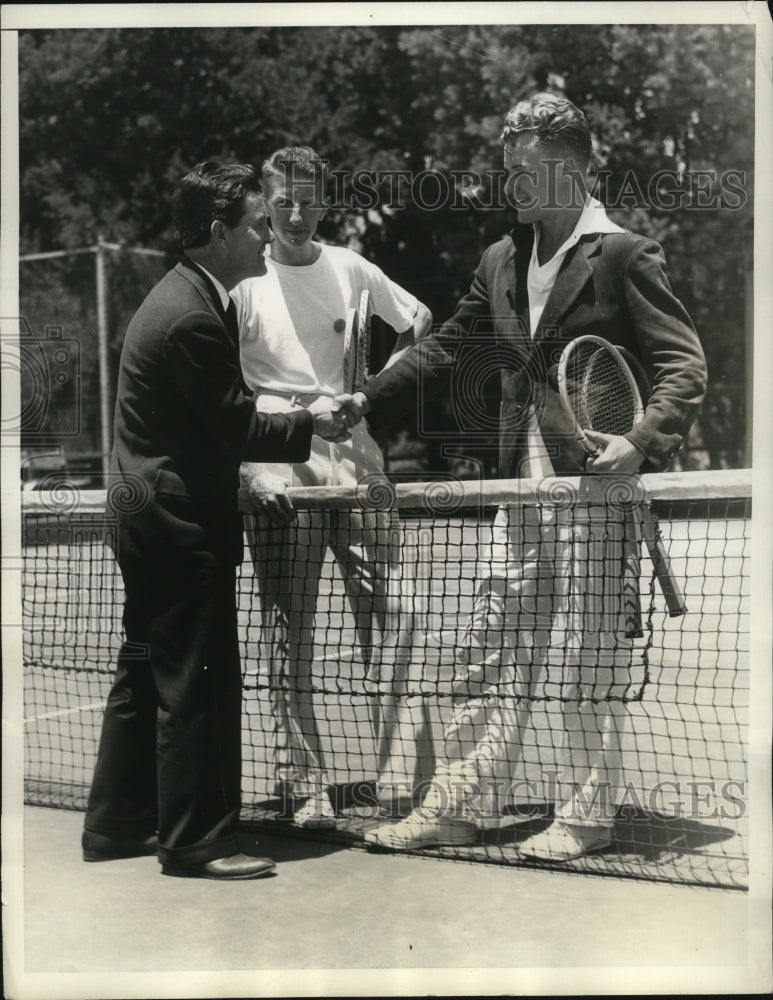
354	407
330	422
617	454
267	491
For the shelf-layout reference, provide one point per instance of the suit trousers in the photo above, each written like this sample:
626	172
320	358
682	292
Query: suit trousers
170	750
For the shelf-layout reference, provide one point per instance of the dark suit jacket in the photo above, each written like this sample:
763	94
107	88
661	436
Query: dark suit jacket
183	423
613	285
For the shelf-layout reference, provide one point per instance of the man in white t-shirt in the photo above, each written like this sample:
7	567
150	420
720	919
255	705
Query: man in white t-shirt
292	326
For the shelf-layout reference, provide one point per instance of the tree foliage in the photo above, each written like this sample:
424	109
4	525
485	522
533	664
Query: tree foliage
110	119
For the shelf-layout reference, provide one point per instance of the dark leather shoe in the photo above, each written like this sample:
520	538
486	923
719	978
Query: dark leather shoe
99	847
236	866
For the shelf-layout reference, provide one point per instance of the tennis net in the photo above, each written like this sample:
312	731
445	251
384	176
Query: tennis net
410	634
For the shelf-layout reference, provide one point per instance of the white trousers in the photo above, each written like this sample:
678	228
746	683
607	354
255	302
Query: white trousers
289	562
557	594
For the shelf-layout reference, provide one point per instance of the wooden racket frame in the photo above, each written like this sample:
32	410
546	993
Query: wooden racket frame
357	345
637	379
351	332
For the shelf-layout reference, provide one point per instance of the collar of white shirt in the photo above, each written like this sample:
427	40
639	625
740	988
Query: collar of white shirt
225	298
593	219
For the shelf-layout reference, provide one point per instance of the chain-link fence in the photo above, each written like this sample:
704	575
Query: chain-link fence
75	306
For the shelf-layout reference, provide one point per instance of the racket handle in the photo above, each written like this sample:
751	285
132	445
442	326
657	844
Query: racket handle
662	564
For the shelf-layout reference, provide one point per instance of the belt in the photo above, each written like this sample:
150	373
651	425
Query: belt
296	398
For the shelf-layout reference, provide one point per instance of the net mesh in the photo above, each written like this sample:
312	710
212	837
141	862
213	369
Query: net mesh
501	649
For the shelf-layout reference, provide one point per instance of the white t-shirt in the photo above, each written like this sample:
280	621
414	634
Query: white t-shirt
539	282
292	320
291	326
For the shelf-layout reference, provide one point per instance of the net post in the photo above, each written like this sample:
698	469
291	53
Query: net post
102	349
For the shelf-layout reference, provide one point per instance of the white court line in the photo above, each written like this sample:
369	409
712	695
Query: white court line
348	654
66	711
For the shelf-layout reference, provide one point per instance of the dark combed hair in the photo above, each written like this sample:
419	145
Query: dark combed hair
211	191
293	163
553	120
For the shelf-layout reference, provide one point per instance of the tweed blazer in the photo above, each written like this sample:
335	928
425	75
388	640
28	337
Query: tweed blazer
613	285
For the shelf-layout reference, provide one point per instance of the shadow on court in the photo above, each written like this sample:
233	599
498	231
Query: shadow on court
647	835
645	845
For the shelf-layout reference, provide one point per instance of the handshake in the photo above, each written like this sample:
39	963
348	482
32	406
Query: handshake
334	418
333	421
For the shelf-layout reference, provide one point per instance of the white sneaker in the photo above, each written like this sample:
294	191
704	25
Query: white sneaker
417	831
563	842
315	813
395	808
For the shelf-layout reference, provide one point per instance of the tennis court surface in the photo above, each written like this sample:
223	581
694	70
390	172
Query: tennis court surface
332	908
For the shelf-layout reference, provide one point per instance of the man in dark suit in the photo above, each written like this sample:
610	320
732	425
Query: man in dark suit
564	271
168	772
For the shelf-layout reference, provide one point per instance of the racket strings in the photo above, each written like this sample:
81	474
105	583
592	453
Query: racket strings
599	393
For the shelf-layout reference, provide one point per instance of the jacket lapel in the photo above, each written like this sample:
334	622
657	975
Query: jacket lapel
201	282
569	282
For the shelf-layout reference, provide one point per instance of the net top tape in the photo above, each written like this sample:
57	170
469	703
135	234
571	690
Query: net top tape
446	495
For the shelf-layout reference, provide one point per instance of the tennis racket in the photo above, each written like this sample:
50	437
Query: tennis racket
674	598
357	345
640	376
362	368
351	336
600	389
